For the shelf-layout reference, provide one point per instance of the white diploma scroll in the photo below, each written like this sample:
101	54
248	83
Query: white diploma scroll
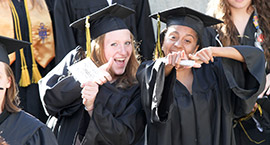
189	63
84	70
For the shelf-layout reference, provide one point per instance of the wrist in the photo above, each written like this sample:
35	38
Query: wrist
88	108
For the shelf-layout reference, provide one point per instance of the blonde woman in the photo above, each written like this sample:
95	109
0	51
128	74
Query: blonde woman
105	110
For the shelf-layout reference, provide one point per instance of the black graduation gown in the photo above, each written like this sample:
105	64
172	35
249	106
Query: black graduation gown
117	119
221	91
23	129
68	11
29	96
61	97
118	110
264	120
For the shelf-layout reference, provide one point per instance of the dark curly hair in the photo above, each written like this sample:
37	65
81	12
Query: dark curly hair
228	32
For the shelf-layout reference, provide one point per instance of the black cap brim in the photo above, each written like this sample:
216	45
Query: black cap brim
165	15
9	45
115	10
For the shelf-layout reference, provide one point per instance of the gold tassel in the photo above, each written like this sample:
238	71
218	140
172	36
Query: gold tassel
158	52
35	72
25	79
88	36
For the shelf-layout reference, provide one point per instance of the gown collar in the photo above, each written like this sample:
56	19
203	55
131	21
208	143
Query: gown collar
3	116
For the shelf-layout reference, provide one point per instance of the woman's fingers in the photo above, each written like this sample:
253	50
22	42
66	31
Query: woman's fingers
205	55
107	66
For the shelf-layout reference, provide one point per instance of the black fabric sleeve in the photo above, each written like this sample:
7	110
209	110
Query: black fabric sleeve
156	99
116	119
245	80
59	91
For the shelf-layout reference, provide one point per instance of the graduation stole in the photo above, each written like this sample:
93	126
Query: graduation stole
258	34
40	35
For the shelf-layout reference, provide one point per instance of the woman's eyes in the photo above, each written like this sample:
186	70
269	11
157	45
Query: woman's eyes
114	44
127	43
187	41
172	37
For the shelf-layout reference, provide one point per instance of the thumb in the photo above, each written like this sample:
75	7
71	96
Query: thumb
107	66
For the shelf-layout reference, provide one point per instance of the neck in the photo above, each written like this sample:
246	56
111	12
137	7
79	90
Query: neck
2	96
182	73
241	13
1	107
185	76
240	18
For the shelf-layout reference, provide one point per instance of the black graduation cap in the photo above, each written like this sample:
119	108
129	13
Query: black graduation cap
105	20
9	45
186	17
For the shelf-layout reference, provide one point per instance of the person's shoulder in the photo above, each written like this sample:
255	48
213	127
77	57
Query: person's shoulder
28	120
22	126
32	130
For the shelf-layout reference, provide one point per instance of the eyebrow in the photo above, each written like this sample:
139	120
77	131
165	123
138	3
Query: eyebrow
190	36
185	35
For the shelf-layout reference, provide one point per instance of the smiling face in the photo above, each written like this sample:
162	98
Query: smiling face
239	4
5	83
118	45
180	38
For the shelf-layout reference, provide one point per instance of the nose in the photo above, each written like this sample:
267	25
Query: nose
178	44
122	49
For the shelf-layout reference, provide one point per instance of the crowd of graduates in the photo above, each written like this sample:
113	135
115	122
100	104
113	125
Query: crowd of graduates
204	80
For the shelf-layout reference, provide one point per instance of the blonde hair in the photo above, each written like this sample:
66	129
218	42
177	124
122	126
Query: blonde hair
98	56
11	100
228	32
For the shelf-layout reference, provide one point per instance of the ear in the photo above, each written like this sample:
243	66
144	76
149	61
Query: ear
9	83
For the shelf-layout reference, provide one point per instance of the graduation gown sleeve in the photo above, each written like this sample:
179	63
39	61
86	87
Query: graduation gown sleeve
246	84
154	86
117	117
59	91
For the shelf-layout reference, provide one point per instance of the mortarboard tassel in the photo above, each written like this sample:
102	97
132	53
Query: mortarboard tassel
88	36
158	52
25	78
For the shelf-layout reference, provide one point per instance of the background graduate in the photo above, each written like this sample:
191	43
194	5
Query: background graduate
196	104
16	126
247	22
113	112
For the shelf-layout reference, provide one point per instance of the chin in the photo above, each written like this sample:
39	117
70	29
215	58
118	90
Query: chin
119	72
